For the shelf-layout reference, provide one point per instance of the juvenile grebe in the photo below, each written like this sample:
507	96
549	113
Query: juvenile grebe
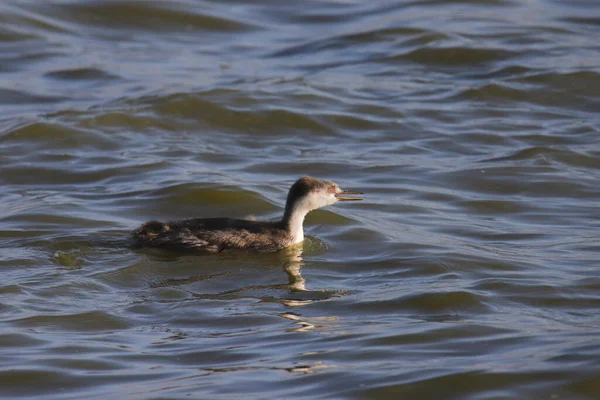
213	235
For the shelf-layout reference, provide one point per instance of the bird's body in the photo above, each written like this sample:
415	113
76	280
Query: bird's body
214	235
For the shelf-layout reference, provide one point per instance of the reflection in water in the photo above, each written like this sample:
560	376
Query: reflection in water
299	295
291	294
305	324
292	268
295	292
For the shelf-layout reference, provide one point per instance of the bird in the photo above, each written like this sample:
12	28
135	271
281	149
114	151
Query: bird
216	235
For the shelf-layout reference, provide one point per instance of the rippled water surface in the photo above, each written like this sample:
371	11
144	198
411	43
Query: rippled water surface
470	271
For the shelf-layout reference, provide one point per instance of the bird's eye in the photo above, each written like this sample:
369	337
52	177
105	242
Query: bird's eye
332	190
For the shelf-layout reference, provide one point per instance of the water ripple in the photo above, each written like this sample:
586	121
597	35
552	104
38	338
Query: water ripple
469	270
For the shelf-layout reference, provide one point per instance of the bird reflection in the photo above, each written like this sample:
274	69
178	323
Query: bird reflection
305	324
296	285
292	268
295	294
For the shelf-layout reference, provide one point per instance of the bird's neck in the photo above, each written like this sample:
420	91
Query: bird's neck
293	219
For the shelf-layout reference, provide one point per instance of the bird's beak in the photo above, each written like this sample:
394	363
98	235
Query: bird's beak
342	195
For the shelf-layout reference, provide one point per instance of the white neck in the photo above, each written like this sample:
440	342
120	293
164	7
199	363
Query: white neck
294	219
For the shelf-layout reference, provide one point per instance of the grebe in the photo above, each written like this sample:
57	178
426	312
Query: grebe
214	235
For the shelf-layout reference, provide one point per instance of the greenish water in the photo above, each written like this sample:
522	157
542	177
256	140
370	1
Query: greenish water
469	272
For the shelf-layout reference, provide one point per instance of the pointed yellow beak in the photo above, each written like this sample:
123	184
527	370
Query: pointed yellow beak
343	193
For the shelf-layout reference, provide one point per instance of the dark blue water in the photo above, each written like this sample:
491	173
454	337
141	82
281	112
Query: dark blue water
469	272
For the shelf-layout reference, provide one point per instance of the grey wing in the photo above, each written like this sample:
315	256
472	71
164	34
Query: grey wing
183	239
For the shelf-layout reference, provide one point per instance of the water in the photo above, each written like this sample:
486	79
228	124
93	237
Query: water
469	272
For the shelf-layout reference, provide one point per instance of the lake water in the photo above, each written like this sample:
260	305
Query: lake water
470	271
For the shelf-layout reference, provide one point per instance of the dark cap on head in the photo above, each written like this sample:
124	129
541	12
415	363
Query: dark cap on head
305	185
